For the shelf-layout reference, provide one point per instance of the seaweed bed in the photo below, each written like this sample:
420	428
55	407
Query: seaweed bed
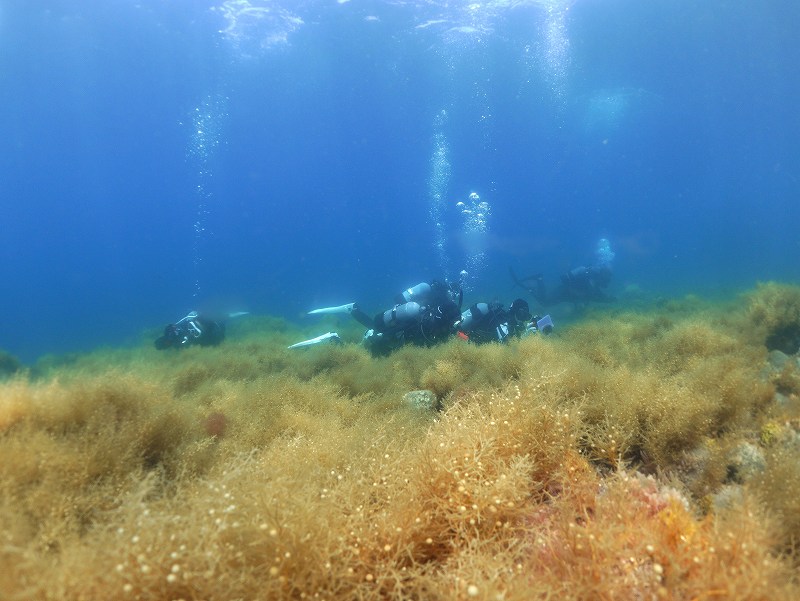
638	454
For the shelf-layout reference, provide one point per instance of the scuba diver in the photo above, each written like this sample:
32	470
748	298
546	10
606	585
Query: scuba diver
194	330
422	315
579	285
491	322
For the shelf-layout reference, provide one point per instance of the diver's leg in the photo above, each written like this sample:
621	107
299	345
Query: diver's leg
539	292
362	318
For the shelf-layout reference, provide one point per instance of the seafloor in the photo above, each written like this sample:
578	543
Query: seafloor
641	453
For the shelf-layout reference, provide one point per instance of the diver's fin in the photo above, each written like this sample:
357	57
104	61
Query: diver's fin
238	314
332	336
515	278
521	281
341	309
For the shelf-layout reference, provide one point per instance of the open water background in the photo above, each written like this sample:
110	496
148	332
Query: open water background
279	156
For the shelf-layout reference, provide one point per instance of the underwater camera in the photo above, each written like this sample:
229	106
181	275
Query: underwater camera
544	325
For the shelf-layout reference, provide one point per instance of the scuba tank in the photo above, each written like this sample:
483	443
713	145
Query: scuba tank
402	314
419	292
475	312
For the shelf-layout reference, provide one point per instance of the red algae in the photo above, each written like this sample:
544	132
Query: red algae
215	424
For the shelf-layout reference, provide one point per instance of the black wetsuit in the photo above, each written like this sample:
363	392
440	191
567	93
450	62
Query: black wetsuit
580	285
491	322
424	321
190	331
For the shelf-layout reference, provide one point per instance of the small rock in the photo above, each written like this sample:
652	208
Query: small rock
777	360
781	399
422	399
747	460
727	497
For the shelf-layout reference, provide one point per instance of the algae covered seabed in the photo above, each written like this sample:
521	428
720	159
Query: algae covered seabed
648	453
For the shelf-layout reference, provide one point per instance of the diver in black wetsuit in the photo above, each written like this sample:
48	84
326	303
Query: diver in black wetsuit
192	330
423	315
492	322
579	285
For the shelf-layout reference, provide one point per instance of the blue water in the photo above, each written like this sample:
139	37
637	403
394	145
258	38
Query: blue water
279	156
